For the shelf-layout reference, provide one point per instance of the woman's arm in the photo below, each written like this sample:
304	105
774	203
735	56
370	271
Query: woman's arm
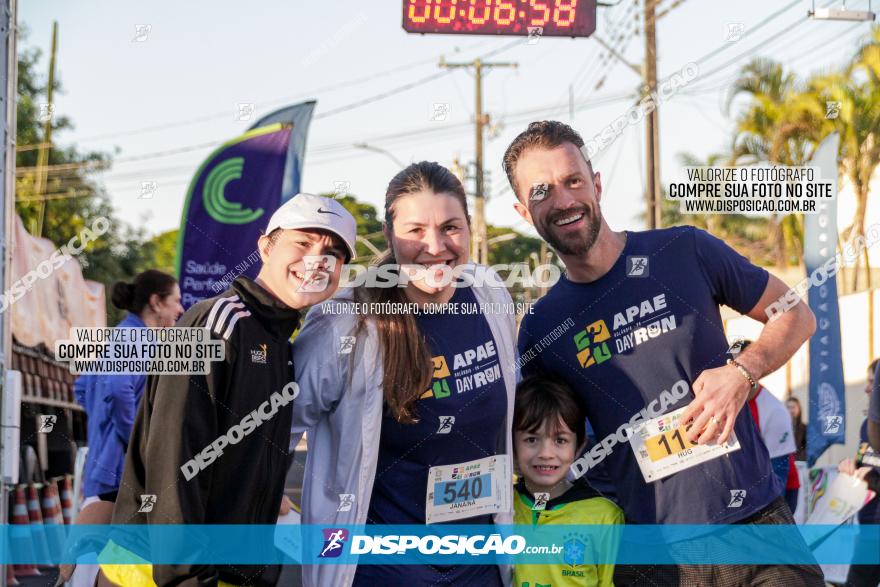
321	366
122	392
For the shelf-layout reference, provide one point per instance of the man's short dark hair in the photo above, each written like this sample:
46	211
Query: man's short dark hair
544	134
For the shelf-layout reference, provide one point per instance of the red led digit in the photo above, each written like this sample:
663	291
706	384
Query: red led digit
507	7
449	16
541	20
487	12
412	11
567	7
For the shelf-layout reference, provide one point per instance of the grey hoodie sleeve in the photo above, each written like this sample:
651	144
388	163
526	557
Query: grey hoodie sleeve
322	365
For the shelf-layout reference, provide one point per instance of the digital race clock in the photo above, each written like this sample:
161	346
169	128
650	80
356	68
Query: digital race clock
556	18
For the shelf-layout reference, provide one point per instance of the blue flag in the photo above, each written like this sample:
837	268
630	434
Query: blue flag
227	207
298	115
827	425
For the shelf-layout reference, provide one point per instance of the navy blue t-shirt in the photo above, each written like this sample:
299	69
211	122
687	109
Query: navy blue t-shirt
460	419
874	400
635	336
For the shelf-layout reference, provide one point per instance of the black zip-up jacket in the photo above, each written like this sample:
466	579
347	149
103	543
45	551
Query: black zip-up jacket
180	415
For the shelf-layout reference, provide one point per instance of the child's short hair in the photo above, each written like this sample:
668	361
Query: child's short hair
541	398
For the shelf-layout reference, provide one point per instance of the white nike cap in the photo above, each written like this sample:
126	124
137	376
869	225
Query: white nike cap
311	211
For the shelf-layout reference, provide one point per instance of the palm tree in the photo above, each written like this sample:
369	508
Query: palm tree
781	124
747	235
857	90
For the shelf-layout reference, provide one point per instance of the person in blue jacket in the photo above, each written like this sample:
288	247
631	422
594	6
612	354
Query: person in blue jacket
110	401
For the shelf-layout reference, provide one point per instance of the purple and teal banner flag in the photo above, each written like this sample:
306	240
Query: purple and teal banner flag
227	207
299	115
827	424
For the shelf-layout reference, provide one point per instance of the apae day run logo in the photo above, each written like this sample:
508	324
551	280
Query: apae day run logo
471	369
334	541
630	328
440	385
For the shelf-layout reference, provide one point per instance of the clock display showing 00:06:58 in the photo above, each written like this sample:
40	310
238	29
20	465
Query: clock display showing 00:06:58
557	13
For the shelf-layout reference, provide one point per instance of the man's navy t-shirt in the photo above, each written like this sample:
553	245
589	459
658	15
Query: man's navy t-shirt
874	401
870	513
468	388
644	333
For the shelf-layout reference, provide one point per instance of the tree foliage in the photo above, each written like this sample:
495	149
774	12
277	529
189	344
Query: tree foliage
77	199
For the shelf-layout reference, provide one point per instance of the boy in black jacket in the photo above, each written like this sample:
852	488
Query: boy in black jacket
213	448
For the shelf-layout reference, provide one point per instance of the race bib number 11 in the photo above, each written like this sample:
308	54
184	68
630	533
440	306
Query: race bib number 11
465	490
662	448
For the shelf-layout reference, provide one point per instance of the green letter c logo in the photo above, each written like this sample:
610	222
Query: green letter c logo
216	204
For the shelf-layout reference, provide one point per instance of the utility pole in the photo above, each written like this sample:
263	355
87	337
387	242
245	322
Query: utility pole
10	433
46	144
545	257
652	133
479	244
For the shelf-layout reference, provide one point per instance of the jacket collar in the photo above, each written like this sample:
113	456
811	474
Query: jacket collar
579	490
132	320
276	317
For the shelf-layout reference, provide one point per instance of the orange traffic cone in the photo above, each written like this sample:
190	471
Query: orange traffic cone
22	537
53	522
66	500
38	531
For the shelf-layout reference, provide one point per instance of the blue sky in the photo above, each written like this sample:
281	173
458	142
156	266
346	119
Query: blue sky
178	90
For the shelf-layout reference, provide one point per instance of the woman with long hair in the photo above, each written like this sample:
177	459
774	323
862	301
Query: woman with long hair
800	428
402	383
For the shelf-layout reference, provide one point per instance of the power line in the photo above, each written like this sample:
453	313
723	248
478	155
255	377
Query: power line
832	39
738	59
760	46
587	67
403	136
670	8
382	95
226	113
58	196
103	165
609	62
802	54
619	40
750	31
93	166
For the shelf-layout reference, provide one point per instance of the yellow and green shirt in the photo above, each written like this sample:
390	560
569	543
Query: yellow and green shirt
582	505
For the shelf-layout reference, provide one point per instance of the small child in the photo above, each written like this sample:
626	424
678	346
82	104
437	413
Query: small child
548	433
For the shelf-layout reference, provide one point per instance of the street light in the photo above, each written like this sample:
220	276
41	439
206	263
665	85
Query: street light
375	149
842	13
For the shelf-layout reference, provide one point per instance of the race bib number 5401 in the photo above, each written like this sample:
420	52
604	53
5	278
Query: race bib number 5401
465	490
662	448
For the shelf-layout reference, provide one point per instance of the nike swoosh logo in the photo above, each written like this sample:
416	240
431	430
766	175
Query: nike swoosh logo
323	211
